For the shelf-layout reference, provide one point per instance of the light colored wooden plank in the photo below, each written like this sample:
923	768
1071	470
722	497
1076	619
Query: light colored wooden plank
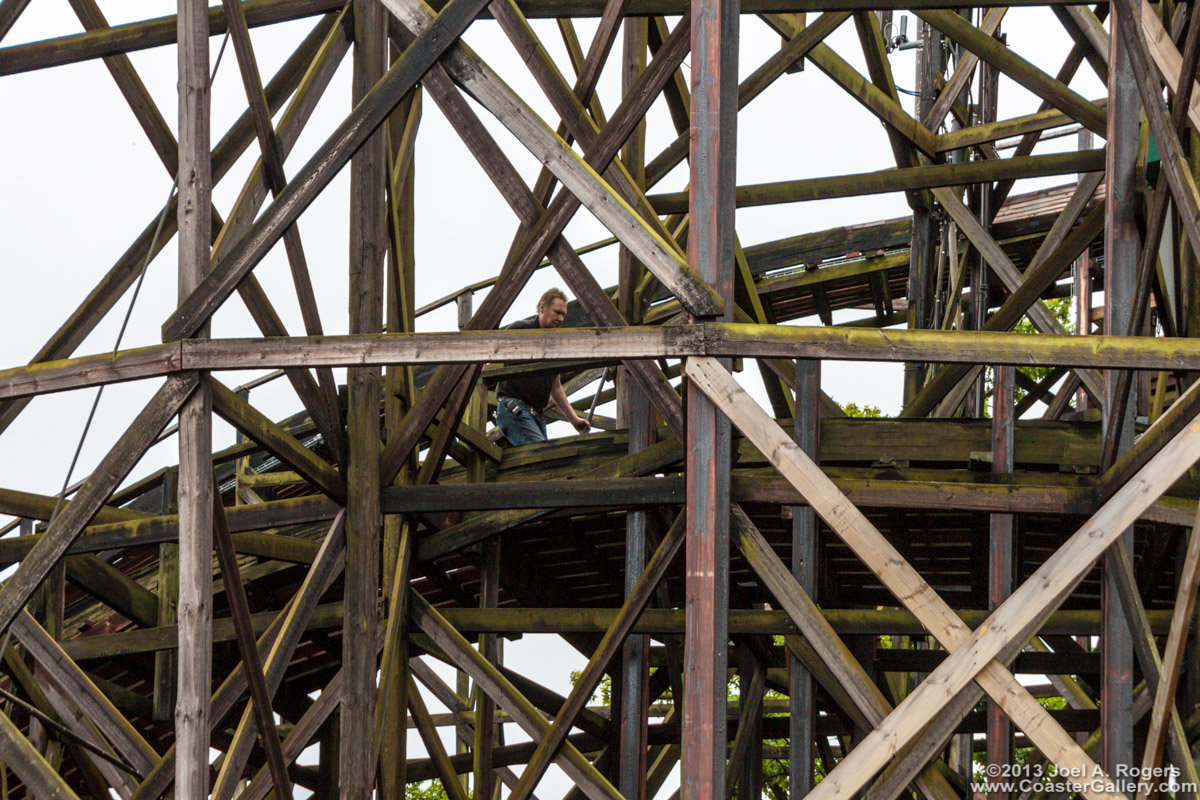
1168	58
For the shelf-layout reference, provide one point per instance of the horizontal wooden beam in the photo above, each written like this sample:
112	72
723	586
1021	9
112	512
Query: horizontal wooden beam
146	530
161	31
166	637
896	180
654	621
713	339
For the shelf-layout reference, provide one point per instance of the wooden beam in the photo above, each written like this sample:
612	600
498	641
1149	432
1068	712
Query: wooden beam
1167	58
819	634
894	180
1023	72
280	639
609	646
274	439
114	588
260	697
41	779
577	767
993	345
47	653
321	169
891	568
433	743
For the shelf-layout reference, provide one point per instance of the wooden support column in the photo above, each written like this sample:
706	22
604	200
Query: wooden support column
746	756
635	661
486	730
982	206
165	661
195	416
1083	285
327	760
368	246
391	735
924	237
711	241
1121	245
801	690
1001	554
634	412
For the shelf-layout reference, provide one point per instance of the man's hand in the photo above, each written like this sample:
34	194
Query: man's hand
581	424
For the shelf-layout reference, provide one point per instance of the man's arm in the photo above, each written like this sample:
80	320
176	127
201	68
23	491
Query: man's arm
559	396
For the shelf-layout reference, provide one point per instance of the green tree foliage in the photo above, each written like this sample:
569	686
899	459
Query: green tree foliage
855	410
429	790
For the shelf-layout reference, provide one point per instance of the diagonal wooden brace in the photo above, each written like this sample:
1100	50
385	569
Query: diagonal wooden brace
973	654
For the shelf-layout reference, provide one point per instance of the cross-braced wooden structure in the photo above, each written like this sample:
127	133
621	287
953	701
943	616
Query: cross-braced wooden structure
888	580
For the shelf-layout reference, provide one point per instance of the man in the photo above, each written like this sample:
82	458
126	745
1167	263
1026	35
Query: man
519	401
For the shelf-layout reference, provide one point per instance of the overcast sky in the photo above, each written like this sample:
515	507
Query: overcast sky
80	182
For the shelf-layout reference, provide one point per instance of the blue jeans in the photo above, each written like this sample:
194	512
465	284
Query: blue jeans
519	423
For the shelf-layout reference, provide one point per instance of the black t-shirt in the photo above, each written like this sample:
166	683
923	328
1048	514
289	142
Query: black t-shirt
535	389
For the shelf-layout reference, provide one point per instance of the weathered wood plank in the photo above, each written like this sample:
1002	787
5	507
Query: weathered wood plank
894	180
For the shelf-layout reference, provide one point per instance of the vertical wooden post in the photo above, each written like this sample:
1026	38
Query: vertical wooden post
801	691
989	80
633	412
1121	244
329	776
924	237
750	775
1083	286
195	417
711	241
398	397
165	661
368	246
1001	552
489	591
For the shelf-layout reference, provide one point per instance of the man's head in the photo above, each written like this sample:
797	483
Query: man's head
552	308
